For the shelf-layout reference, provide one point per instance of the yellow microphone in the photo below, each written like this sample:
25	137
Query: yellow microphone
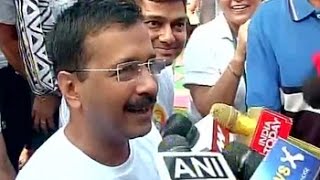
259	128
235	121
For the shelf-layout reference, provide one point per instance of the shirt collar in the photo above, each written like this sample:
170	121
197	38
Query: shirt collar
300	9
224	28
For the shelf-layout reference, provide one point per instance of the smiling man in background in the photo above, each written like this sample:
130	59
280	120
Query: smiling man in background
166	21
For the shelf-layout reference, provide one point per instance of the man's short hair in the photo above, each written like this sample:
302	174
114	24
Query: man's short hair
160	1
86	17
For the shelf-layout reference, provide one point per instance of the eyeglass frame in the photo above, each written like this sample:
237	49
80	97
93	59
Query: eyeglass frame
120	67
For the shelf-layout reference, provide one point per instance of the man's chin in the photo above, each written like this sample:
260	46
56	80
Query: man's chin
142	131
170	57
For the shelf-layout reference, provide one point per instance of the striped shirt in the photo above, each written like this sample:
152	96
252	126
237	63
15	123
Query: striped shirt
34	19
283	35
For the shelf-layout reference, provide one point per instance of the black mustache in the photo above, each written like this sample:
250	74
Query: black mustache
142	102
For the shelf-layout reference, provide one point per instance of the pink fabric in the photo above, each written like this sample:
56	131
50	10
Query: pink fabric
316	62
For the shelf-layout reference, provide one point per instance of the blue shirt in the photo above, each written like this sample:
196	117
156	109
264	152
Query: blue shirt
282	38
283	35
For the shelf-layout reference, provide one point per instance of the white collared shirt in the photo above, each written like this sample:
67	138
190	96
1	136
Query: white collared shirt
207	55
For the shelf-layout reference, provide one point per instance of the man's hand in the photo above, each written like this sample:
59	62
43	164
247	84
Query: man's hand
10	48
236	65
242	41
24	157
43	111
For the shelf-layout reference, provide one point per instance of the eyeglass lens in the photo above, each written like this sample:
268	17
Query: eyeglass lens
128	71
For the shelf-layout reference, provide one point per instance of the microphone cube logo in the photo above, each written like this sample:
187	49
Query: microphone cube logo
221	137
287	161
270	127
291	158
201	165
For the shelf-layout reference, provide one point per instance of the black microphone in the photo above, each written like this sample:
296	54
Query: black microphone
311	92
176	161
241	159
174	143
311	87
179	124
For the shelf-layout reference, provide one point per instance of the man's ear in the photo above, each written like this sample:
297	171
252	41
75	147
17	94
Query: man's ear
69	87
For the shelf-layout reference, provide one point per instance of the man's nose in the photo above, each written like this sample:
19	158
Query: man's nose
147	83
166	35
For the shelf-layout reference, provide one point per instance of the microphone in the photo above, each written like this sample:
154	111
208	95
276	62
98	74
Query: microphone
230	118
176	161
311	88
238	157
174	143
259	131
181	125
290	159
241	159
311	92
220	137
316	62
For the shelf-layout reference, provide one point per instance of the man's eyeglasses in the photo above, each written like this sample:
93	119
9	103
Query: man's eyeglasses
131	70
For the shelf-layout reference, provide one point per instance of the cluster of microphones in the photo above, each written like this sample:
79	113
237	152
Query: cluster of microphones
256	145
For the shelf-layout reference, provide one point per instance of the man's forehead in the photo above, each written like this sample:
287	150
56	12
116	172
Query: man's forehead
118	44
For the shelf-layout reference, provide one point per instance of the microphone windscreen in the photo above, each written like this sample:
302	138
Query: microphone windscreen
251	164
174	143
193	136
177	124
234	153
225	114
242	160
311	92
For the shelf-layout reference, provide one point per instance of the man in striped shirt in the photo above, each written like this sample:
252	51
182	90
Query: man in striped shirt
23	26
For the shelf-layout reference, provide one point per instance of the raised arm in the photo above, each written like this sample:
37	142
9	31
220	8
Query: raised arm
262	68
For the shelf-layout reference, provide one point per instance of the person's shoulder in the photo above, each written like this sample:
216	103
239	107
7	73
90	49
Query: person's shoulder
50	156
147	144
269	15
166	78
204	32
145	155
208	34
210	27
271	8
269	3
